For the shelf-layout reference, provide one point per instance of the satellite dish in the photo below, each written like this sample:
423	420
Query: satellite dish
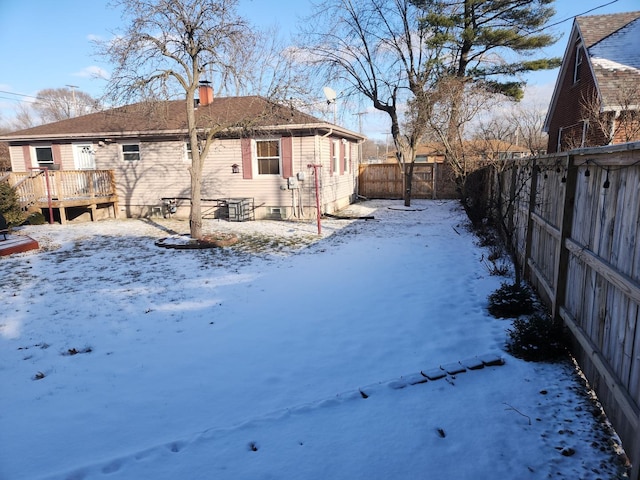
330	94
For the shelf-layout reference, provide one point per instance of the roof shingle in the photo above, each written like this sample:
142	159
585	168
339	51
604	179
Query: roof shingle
611	42
170	116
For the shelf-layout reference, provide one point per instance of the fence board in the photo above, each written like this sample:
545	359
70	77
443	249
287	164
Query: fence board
578	241
384	180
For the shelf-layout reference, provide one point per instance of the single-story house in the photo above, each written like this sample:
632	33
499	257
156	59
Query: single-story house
596	100
265	155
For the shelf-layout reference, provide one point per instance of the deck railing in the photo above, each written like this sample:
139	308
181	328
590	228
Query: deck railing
40	186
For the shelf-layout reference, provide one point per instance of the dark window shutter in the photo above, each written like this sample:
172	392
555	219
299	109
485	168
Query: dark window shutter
26	152
57	154
247	164
331	154
287	156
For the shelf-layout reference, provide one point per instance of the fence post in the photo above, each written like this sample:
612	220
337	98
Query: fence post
434	172
562	253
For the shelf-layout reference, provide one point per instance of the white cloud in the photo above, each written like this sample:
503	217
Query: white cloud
92	71
538	94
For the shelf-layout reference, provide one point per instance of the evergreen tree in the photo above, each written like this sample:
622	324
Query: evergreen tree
9	206
490	41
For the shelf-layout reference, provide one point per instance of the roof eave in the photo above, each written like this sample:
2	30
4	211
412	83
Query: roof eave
325	127
575	30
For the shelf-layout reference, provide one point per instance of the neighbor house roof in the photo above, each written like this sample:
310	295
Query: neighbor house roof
493	146
611	45
169	118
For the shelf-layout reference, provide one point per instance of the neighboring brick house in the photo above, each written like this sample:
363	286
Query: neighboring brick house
596	100
264	152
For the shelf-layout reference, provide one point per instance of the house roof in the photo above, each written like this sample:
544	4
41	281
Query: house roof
611	45
614	57
437	149
169	118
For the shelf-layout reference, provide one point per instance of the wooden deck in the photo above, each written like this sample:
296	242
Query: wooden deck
17	244
66	193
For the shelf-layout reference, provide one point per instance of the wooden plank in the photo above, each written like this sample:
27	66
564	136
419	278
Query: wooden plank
626	284
625	402
546	225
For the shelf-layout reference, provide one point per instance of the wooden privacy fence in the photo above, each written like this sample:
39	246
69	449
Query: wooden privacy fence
575	223
384	180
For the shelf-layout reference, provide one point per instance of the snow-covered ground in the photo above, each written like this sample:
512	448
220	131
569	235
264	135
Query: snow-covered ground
282	357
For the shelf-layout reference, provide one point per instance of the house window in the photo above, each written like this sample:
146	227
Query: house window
335	166
131	152
268	157
579	59
188	152
44	155
421	159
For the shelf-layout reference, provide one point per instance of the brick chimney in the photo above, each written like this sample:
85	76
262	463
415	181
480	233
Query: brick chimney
205	93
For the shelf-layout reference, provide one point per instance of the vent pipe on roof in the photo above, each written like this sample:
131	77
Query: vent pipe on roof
205	93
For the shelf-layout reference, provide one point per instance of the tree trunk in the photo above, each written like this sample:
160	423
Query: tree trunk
197	162
408	173
195	215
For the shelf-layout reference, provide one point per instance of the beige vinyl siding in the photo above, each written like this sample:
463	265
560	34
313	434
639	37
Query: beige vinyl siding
160	172
163	172
66	153
338	189
18	163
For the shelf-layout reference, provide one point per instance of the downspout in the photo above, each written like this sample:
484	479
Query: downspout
330	132
559	141
585	126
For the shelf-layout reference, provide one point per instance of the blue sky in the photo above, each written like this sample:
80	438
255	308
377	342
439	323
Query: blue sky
47	44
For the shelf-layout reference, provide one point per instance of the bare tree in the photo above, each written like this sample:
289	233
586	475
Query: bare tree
406	56
450	123
379	50
529	120
24	117
164	51
618	123
55	104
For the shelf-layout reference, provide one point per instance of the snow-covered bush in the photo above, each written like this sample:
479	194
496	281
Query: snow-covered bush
511	301
537	338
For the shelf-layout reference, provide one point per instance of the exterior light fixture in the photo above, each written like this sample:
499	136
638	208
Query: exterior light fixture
606	183
235	168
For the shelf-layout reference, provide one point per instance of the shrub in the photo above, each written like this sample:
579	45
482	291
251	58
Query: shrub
510	301
9	206
35	218
537	339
